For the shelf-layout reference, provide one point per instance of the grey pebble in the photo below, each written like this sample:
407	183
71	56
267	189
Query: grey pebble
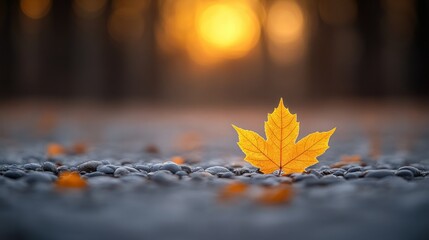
181	173
106	169
155	167
32	166
187	169
172	167
225	175
90	166
94	174
217	169
200	175
50	167
316	173
381	173
14	173
354	169
142	167
241	171
352	175
39	177
305	177
121	171
62	168
416	172
197	169
163	177
405	174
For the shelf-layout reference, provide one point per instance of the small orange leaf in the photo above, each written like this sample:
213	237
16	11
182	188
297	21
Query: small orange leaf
178	160
70	180
54	149
233	190
275	195
346	160
79	148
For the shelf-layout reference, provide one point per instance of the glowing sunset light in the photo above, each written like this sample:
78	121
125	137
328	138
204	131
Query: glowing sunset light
231	28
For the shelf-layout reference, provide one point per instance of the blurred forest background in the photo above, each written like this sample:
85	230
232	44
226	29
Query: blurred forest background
213	50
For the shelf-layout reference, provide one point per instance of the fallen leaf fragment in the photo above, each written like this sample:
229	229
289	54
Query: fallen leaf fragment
70	180
348	159
233	190
275	195
54	149
152	149
178	160
79	148
280	152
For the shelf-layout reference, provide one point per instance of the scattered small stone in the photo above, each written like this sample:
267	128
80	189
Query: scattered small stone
352	175
14	173
181	173
354	169
106	169
141	167
225	175
162	177
39	177
416	172
381	173
216	169
315	173
304	177
187	169
405	174
90	166
172	167
121	171
32	166
50	167
155	167
94	174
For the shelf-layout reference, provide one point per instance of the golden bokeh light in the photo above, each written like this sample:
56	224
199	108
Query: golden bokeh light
35	9
209	31
285	22
228	28
285	28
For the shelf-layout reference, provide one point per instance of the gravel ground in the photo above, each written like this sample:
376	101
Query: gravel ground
135	192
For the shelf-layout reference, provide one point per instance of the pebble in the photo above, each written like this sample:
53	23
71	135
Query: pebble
155	167
241	171
181	173
32	166
217	169
50	167
416	172
197	169
354	169
62	168
200	175
138	174
352	175
172	167
39	177
141	167
94	174
405	174
14	173
304	177
225	175
106	169
381	173
339	172
316	173
90	166
187	169
163	177
121	171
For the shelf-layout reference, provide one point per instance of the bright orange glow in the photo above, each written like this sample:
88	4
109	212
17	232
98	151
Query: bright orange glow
285	27
210	31
35	9
285	22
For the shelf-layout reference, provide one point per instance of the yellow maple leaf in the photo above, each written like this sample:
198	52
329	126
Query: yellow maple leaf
280	152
